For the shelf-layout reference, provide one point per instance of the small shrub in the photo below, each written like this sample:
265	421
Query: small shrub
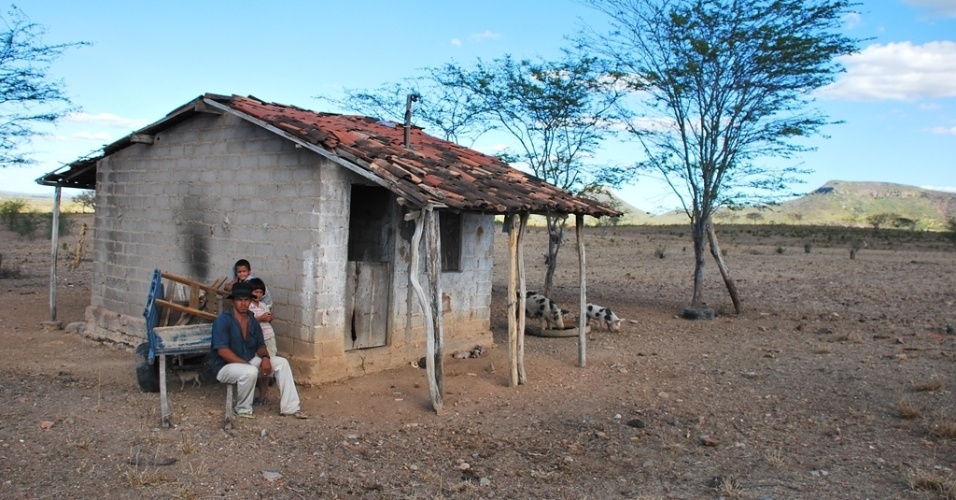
26	224
10	209
932	385
781	249
807	247
660	252
908	411
931	480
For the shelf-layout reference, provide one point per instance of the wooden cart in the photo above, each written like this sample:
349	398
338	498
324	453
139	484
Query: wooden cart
179	327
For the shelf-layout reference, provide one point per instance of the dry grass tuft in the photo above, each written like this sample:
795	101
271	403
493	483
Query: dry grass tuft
187	446
139	479
672	447
908	411
823	349
184	493
931	480
727	487
85	444
198	470
934	384
775	458
942	425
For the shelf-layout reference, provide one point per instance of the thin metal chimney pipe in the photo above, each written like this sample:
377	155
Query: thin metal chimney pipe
408	115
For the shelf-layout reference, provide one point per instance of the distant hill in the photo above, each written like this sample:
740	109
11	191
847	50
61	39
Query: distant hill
845	203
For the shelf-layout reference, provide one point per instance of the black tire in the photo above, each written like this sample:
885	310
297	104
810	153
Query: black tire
146	375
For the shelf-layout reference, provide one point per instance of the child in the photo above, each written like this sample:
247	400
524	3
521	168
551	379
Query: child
263	315
242	271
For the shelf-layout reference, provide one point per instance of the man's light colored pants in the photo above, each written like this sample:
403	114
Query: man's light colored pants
245	376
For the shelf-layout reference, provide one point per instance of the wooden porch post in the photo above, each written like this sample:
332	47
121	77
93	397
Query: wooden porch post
54	238
436	340
511	222
433	376
522	299
583	286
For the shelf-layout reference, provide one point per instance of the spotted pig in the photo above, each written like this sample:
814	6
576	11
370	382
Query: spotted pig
605	315
539	307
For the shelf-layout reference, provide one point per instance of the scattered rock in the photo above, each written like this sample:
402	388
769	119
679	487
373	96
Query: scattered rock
636	423
46	424
709	441
271	476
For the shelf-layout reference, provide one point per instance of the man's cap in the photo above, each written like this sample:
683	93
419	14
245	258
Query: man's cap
241	290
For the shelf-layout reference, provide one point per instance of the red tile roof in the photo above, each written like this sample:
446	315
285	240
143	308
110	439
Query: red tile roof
430	171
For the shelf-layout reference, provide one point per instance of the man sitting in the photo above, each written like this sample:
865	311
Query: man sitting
239	356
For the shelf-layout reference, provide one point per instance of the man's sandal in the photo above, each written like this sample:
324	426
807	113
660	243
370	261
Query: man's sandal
299	415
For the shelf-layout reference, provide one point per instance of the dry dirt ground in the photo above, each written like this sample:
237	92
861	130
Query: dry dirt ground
836	382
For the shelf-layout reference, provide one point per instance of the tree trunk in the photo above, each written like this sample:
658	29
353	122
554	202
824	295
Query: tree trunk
555	238
699	233
728	279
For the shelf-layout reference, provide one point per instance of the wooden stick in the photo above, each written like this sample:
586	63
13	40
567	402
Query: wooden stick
185	309
437	331
513	319
582	316
522	299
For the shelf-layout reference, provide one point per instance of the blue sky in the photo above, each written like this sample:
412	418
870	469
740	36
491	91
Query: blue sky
897	98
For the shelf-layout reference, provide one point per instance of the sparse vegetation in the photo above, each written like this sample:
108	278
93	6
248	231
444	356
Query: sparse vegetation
938	482
933	384
908	410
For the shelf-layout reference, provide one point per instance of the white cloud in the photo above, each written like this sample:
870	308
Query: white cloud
944	7
852	20
93	136
944	130
897	71
948	189
485	36
107	120
456	42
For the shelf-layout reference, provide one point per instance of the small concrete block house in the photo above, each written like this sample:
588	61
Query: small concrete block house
317	202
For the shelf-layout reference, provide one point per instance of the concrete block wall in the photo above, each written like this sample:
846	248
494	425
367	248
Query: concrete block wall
209	191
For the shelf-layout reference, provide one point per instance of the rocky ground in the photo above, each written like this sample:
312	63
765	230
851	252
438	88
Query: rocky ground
837	381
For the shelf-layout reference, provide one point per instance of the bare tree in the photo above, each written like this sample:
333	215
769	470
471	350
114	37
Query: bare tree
722	83
29	97
451	110
558	112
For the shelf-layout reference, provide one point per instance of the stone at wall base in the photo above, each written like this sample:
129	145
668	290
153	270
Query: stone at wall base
698	313
52	326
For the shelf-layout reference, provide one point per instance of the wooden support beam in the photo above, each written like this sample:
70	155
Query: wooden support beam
437	339
583	286
142	138
522	298
511	222
186	309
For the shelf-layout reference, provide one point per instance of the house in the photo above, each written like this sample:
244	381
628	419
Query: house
325	206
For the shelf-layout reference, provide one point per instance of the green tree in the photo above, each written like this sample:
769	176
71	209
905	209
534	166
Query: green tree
558	112
86	199
29	96
722	84
880	220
